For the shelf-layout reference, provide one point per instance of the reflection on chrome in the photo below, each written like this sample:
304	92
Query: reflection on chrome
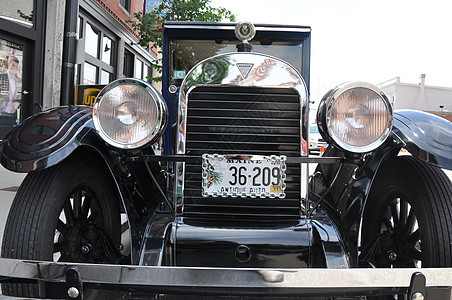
228	70
266	71
126	113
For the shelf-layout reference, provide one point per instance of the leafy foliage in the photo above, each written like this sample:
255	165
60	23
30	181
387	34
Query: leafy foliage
149	26
24	16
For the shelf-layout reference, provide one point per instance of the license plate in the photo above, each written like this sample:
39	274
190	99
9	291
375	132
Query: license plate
243	176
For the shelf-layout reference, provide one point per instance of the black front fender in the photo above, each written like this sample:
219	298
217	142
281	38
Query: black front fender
45	139
426	136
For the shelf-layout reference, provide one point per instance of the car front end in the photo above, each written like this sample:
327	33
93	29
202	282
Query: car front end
233	206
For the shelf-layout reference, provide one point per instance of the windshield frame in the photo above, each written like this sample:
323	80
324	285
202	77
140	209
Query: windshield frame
265	33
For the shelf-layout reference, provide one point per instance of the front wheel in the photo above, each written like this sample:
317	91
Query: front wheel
408	217
69	212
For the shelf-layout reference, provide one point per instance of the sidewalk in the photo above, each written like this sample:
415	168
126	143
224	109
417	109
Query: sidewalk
9	183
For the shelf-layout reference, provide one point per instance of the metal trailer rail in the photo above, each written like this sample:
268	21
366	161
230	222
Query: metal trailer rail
70	280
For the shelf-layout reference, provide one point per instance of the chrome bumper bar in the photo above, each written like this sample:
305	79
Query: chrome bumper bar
229	281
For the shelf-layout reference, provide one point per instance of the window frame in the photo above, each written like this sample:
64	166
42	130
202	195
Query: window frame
125	5
144	66
98	62
34	42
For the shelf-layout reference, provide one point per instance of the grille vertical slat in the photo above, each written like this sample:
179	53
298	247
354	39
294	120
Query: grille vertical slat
242	120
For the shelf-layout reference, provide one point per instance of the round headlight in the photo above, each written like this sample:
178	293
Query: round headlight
356	116
129	113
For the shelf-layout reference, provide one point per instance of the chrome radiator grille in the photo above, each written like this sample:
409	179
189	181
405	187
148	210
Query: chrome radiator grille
242	120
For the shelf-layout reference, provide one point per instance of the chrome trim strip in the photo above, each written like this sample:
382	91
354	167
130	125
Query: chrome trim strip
220	27
222	70
232	26
197	277
285	29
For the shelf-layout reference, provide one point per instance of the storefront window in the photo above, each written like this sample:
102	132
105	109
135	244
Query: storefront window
17	11
142	70
105	77
92	41
106	48
138	69
146	72
11	57
89	74
100	58
128	63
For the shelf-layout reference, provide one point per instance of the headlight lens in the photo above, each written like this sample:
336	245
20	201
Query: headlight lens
358	116
129	113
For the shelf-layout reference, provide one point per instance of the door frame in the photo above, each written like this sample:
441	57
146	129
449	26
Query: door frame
33	59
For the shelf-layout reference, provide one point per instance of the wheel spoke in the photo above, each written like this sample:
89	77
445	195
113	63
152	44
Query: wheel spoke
388	224
395	214
403	213
413	238
65	257
59	247
68	212
93	217
86	206
77	203
62	228
411	219
416	254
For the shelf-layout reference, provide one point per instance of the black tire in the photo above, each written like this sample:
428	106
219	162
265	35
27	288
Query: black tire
59	210
408	217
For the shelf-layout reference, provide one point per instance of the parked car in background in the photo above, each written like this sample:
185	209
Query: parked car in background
229	207
317	144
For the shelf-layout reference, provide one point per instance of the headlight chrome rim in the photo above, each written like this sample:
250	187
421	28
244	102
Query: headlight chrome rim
155	132
327	105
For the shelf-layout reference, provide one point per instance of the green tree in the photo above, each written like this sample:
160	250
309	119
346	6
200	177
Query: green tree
149	26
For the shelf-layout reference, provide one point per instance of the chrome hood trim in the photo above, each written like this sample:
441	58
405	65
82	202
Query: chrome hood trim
244	69
239	69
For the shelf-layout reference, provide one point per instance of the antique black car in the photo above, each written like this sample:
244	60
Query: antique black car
231	203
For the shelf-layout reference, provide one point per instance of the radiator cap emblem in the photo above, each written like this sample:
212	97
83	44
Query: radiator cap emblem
244	69
245	31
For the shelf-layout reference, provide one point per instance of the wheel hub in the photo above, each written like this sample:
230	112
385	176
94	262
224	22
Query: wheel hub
392	255
395	250
86	248
85	243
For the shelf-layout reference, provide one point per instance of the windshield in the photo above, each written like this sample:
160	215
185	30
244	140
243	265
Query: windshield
185	54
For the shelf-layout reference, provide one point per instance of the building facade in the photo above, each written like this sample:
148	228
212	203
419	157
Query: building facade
432	99
49	48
